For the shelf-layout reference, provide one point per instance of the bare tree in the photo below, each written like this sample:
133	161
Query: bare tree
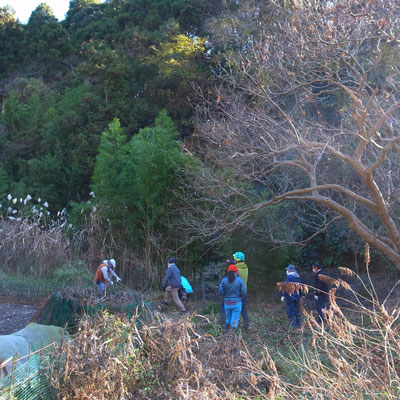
308	110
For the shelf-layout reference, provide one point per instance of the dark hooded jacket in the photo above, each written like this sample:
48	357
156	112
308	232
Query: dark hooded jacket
322	288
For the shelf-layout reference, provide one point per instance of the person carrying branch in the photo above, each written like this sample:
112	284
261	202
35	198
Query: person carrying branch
292	297
321	294
104	275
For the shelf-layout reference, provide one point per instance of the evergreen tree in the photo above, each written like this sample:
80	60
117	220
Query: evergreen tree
135	181
45	39
10	37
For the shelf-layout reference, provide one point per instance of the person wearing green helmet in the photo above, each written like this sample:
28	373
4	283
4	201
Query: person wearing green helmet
243	275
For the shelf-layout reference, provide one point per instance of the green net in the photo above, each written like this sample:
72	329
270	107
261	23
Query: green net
66	312
59	311
24	354
28	381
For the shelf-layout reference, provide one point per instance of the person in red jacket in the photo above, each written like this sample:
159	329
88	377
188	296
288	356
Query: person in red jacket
104	274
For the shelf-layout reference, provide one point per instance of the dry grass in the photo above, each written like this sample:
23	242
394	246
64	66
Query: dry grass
26	247
355	355
292	287
141	268
164	359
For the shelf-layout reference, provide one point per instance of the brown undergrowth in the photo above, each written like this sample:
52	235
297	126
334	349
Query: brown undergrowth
354	354
163	359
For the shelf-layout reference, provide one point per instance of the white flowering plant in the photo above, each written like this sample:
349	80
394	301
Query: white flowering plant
33	237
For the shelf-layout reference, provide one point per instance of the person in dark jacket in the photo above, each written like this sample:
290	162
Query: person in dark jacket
171	285
321	291
293	299
233	290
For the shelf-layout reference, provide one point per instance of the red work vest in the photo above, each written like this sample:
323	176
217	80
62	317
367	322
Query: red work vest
98	276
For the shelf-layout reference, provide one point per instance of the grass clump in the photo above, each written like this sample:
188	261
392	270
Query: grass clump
73	274
17	285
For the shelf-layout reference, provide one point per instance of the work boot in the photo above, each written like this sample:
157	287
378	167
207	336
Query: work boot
226	328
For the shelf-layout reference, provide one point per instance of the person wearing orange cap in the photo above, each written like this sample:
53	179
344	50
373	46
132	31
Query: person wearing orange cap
231	267
233	290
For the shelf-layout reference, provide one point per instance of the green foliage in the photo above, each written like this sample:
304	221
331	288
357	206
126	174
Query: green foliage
262	258
10	37
137	179
17	285
79	213
51	140
46	40
70	275
179	52
103	60
110	162
212	308
3	183
155	161
73	274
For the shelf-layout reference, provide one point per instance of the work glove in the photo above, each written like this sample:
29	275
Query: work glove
112	283
282	298
119	279
315	297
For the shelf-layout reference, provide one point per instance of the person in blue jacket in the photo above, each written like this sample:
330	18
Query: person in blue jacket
293	299
233	290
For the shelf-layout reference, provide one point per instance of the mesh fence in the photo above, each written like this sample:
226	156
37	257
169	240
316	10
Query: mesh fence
28	381
59	310
26	377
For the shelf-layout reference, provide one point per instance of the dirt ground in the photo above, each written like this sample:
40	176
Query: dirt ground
265	315
14	316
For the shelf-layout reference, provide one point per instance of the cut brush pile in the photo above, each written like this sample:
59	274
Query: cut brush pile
67	306
111	359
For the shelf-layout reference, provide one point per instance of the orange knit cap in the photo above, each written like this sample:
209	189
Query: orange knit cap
233	267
